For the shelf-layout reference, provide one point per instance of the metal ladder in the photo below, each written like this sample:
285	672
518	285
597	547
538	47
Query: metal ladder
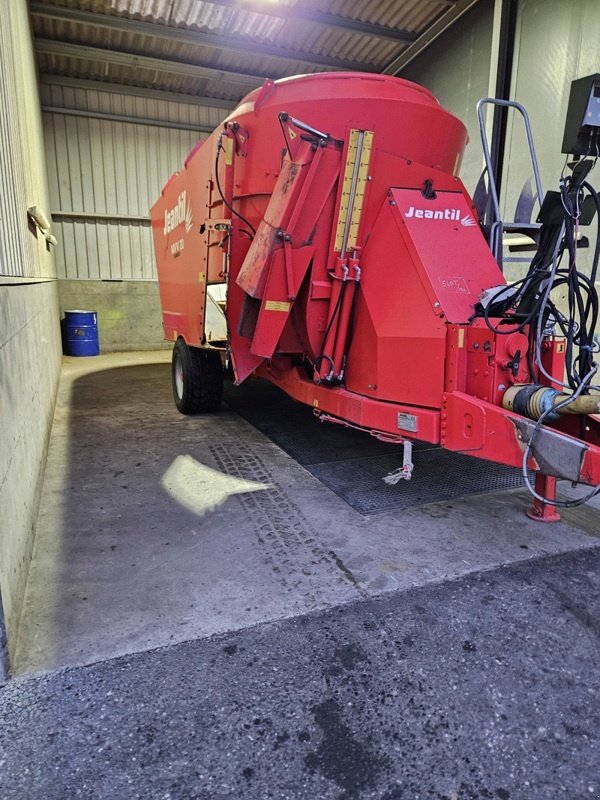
488	203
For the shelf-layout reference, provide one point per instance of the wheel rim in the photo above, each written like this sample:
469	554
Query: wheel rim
178	377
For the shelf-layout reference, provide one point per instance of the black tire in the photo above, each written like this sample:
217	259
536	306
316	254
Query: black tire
197	377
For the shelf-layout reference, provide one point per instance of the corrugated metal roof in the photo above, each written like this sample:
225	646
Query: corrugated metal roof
234	21
236	36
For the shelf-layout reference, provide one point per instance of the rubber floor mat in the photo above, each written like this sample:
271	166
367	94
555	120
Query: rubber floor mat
353	464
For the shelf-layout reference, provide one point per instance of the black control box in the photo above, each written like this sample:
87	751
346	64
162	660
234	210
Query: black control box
582	125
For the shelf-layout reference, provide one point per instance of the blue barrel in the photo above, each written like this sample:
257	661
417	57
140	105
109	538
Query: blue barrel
80	329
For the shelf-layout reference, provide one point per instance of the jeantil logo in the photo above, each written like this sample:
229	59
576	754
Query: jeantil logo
178	215
452	214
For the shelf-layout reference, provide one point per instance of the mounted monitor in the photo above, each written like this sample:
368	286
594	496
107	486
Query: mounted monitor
582	125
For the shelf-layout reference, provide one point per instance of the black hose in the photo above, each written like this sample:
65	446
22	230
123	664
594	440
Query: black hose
222	194
334	314
531	299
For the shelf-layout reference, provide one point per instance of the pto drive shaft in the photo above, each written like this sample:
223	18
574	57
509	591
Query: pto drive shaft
532	400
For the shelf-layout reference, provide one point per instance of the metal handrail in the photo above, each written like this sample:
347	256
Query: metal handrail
497	224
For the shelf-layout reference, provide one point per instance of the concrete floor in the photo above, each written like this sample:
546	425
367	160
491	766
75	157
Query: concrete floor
481	688
206	620
156	528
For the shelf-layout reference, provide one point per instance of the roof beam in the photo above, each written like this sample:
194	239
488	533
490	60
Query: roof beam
127	118
320	17
66	49
134	91
188	36
444	21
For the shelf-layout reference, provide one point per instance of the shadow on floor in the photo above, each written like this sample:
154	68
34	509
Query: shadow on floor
157	528
352	464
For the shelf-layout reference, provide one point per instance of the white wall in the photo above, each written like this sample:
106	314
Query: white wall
29	328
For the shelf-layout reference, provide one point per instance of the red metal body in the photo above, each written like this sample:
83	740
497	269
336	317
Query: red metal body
356	292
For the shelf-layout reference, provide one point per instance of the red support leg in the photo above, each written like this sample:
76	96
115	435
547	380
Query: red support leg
545	486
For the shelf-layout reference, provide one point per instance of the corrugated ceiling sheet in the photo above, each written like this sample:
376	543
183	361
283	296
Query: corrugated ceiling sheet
265	66
219	19
301	41
410	15
318	40
101	71
233	21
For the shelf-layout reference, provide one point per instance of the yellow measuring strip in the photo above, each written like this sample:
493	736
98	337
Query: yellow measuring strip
359	176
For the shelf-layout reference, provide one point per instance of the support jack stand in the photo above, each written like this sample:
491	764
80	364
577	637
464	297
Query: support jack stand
406	470
545	486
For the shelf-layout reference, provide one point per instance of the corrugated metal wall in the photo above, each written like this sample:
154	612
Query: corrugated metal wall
23	252
557	42
30	348
105	173
456	68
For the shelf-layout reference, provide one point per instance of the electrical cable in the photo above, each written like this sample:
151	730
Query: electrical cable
526	454
222	194
530	300
580	325
528	307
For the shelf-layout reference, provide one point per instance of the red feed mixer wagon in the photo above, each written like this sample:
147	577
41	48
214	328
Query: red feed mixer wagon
322	239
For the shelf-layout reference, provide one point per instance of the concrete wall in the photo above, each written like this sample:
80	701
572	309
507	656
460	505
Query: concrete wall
29	328
29	363
129	316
